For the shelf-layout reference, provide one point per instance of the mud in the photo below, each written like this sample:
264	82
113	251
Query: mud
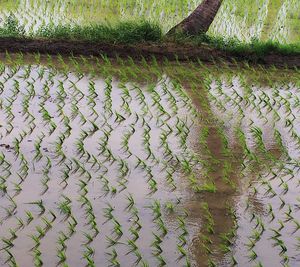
170	51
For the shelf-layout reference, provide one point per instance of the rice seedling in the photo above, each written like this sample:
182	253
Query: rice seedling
137	172
266	20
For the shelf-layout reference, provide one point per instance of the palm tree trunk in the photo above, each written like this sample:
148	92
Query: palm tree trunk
200	20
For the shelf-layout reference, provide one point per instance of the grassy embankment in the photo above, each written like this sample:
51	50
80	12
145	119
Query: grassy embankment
139	32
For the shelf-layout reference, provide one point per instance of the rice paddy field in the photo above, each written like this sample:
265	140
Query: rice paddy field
122	162
116	163
245	20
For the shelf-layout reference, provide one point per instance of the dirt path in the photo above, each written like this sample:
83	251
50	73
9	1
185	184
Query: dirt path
170	51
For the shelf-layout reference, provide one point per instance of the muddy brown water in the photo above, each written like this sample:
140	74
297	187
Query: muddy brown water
96	142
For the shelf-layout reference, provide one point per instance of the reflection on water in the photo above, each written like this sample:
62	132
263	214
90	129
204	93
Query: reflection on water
267	118
96	164
180	170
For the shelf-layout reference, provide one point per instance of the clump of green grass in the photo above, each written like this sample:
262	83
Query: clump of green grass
256	46
11	27
233	45
122	32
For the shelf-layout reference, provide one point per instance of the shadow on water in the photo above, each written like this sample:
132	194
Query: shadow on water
222	175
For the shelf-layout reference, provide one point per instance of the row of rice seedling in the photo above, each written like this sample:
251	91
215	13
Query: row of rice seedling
87	165
109	163
266	120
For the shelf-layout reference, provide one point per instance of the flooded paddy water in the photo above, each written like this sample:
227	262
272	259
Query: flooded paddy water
118	163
